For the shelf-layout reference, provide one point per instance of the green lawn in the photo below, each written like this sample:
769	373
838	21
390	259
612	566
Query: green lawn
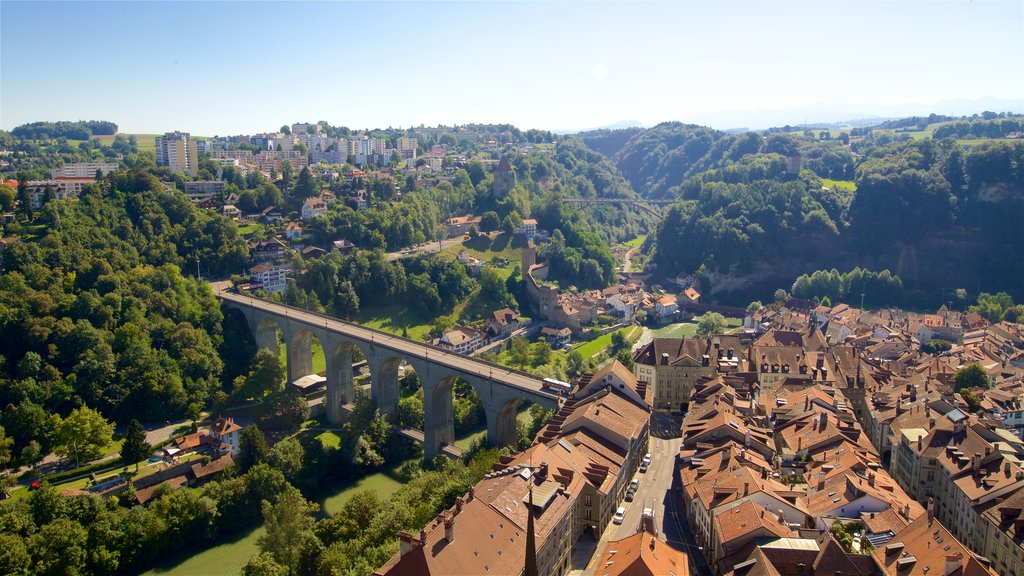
329	439
636	241
394	318
144	141
249	228
689	329
840	184
384	484
507	246
602	343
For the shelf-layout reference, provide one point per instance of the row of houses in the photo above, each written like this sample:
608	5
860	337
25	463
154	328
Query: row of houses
568	483
776	488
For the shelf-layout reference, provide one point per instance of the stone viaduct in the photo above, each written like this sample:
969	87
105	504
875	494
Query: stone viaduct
502	390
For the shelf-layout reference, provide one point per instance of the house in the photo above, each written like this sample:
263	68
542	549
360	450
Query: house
312	208
665	308
461	340
528	228
310	252
267	250
230	211
461	224
342	246
642	554
226	433
557	337
293	231
474	264
690	295
271	277
684	280
623	304
501	323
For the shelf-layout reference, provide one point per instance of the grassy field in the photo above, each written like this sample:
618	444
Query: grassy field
144	141
508	246
684	330
395	318
635	241
840	184
689	329
602	343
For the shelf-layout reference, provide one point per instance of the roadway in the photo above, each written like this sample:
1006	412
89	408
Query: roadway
402	346
659	490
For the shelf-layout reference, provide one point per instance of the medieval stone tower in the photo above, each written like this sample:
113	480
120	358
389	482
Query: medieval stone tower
504	178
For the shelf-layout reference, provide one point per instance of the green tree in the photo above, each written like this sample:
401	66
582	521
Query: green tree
289	523
625	358
971	376
489	222
252	448
135	447
520	351
541	352
7	197
5	448
287	456
31	454
972	400
264	564
754	307
410	411
710	323
575	363
781	295
59	548
83	434
264	378
14	556
305	187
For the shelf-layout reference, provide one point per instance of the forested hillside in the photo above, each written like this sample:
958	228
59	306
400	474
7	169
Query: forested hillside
757	209
95	309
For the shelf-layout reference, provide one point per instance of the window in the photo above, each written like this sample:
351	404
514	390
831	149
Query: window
588	500
588	514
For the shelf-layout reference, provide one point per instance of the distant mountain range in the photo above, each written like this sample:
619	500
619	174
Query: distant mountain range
760	119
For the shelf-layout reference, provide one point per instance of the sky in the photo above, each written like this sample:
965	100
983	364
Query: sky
243	67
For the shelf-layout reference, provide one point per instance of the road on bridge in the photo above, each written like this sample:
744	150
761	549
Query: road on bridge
408	348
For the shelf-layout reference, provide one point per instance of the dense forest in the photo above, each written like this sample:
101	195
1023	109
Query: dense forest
939	214
95	309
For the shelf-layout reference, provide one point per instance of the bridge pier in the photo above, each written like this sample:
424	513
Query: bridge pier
340	387
384	384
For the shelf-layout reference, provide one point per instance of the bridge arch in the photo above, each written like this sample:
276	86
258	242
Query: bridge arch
504	422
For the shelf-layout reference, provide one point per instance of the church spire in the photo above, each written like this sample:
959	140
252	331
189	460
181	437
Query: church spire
531	544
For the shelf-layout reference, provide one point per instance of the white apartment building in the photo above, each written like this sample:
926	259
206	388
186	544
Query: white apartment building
178	151
83	169
272	276
61	189
203	189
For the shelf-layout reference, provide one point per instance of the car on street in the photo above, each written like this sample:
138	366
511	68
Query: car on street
630	494
643	467
634	484
620	515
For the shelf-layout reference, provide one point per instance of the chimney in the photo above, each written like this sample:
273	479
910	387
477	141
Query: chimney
976	462
543	473
906	511
472	492
799	443
781	517
953	563
458	504
746	488
988	450
807	402
652	542
746	438
871	478
931	510
729	354
406	543
449	528
899	405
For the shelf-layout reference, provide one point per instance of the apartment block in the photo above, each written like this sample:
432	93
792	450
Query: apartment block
178	151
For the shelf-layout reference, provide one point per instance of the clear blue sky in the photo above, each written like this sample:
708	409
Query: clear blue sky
242	67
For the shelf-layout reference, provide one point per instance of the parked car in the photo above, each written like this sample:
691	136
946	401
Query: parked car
620	515
630	494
